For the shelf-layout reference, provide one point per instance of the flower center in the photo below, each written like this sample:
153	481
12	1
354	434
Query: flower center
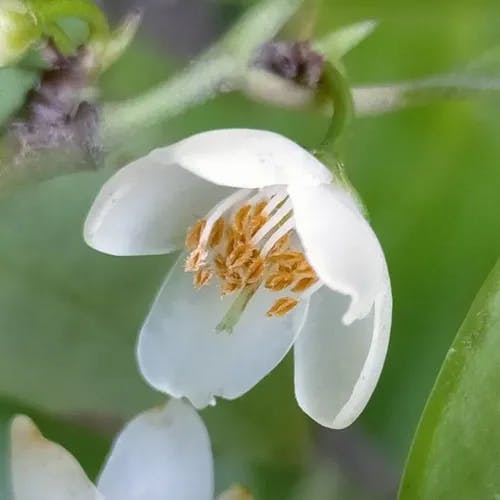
247	241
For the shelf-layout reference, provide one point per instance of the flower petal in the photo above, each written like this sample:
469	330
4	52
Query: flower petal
337	366
340	245
42	470
147	207
163	454
181	353
245	158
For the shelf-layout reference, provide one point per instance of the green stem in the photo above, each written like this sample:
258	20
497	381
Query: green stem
197	83
86	10
340	93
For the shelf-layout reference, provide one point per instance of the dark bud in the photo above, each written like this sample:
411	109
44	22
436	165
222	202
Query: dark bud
295	61
59	112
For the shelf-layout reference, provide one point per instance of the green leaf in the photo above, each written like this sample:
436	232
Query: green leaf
5	486
456	450
338	43
14	84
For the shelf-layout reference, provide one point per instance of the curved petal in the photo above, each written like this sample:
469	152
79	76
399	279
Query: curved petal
340	245
42	470
147	207
245	158
163	454
337	366
181	353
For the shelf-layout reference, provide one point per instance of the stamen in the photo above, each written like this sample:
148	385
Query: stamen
303	284
273	222
202	277
217	233
312	289
234	313
277	199
285	228
194	234
240	255
289	260
218	211
195	259
279	281
241	217
246	241
255	270
281	245
282	306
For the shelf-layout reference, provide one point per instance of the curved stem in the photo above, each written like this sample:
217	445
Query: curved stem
85	10
340	93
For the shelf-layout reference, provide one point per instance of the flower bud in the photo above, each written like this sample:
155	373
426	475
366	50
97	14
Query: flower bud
19	29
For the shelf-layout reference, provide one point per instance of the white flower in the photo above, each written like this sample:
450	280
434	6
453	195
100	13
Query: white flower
281	255
18	30
163	454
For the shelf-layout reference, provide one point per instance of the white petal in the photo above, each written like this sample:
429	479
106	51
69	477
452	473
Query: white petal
340	245
181	354
147	207
163	454
42	470
337	366
245	158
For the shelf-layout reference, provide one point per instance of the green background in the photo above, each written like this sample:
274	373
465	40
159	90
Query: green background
430	177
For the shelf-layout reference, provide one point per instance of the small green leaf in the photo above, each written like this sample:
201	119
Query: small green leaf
337	44
456	450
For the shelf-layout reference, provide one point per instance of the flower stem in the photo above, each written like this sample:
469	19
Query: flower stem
338	90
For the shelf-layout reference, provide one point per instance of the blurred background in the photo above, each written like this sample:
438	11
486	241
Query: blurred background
430	177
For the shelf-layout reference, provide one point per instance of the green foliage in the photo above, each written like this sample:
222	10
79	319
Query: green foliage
428	176
456	451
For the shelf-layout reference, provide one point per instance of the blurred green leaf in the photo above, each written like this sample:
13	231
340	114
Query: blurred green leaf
456	450
14	84
338	43
5	486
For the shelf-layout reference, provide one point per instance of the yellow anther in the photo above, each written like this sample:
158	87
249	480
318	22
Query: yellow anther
241	217
254	224
288	259
303	284
202	277
281	245
194	234
259	208
255	271
217	233
195	259
220	266
279	281
240	256
282	306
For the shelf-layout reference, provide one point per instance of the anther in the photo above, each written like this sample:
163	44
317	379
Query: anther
216	234
279	281
202	277
304	283
194	234
282	306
